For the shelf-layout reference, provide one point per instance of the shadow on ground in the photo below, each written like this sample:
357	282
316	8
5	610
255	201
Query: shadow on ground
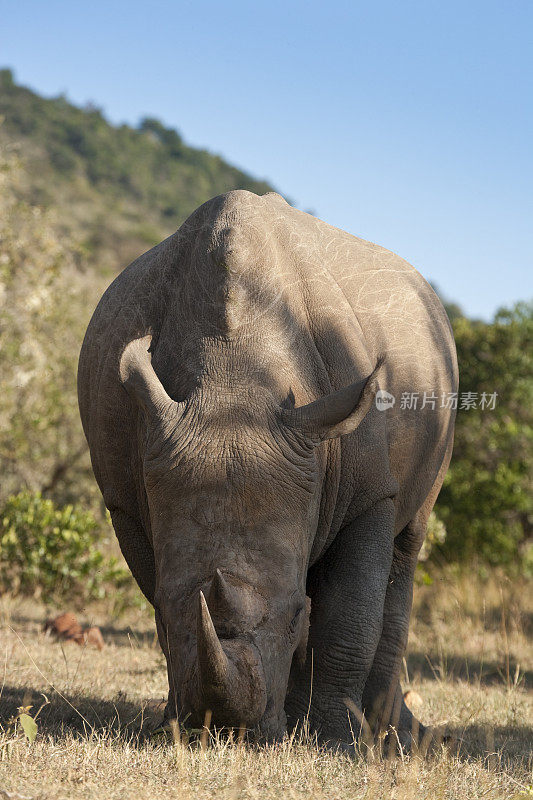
81	716
438	666
505	745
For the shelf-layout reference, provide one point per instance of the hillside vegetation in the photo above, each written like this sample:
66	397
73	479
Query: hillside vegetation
79	199
119	189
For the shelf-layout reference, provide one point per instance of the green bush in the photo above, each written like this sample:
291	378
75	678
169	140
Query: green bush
486	502
52	552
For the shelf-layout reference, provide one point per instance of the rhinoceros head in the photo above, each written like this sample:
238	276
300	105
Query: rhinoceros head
233	485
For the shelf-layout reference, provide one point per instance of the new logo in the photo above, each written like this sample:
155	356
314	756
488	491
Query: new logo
384	400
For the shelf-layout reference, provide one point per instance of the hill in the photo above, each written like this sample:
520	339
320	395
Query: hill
118	189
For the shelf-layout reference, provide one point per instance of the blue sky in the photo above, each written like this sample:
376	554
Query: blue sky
406	123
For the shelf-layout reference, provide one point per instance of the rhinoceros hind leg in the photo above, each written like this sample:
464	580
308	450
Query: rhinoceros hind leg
383	701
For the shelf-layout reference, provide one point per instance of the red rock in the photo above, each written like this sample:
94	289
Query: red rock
94	636
66	626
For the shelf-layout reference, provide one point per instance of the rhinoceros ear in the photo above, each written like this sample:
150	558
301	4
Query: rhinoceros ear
335	414
141	382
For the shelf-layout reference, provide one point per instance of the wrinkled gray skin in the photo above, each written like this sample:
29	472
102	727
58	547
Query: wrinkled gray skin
225	394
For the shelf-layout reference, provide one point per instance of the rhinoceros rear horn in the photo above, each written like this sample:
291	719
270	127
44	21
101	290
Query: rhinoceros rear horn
222	597
140	380
337	413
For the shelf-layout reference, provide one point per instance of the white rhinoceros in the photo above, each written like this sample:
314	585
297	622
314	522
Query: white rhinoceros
226	388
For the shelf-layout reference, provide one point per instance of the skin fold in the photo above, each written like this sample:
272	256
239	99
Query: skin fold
265	505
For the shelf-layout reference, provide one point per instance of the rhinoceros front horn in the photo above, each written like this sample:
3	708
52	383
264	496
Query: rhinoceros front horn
213	664
230	679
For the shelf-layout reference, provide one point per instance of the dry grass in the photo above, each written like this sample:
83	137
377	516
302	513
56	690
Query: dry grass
468	656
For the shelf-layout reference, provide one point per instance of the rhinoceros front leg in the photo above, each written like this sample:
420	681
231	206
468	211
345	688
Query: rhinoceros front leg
347	588
139	556
136	549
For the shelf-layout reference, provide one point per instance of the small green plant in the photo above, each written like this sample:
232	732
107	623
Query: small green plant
53	552
28	724
23	724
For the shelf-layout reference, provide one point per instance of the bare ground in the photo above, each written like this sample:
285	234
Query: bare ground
469	655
